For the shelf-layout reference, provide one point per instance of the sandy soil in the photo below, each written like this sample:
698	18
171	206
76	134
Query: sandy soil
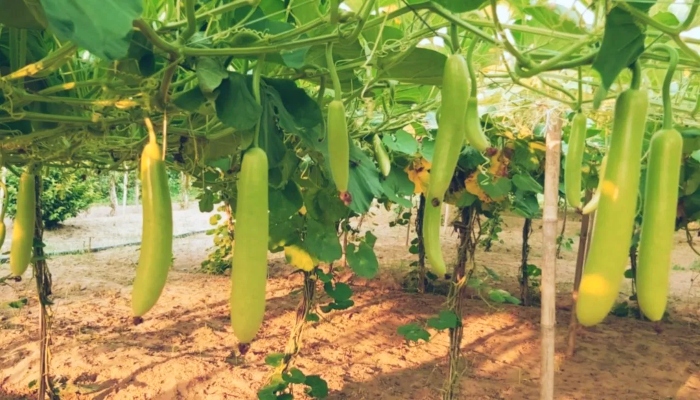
184	348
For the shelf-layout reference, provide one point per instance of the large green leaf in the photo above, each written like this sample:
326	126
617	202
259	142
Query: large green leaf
623	43
364	185
235	106
419	65
397	187
100	26
322	241
285	202
457	6
210	73
401	142
526	183
304	11
303	109
362	260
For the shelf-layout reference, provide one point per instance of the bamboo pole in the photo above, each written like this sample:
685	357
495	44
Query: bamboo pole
549	262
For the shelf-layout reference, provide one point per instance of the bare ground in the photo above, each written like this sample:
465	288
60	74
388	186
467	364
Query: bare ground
184	349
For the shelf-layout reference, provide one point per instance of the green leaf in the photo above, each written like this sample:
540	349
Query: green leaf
274	359
493	274
498	296
446	319
284	203
527	184
294	376
304	11
340	292
269	392
364	184
415	65
533	271
524	157
466	200
695	155
623	43
210	73
401	142
312	317
362	260
370	239
396	187
303	110
17	304
235	106
190	100
413	332
324	277
512	300
666	18
470	159
100	26
285	232
206	201
318	388
427	148
457	6
322	241
526	204
494	189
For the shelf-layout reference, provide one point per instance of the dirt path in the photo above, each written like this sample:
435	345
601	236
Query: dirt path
183	349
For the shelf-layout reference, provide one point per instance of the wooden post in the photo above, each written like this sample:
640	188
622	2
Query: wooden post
549	262
126	189
113	199
580	259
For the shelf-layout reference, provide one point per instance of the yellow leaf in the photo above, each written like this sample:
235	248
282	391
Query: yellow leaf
302	210
524	133
299	258
474	188
539	146
419	173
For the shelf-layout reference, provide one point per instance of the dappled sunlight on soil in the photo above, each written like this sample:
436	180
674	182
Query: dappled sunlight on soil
183	350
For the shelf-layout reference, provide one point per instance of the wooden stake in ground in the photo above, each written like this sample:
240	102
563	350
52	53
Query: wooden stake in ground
113	200
125	193
580	259
549	261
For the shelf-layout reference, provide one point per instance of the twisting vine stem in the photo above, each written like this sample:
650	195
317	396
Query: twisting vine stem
455	298
43	286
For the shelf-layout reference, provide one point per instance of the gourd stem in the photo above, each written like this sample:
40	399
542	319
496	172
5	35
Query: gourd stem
333	72
454	38
666	88
580	89
256	93
636	75
470	65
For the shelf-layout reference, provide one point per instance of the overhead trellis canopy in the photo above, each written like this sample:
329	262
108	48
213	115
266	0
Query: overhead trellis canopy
78	78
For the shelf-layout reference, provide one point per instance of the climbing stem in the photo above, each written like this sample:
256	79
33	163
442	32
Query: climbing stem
256	92
333	72
666	88
470	65
636	75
